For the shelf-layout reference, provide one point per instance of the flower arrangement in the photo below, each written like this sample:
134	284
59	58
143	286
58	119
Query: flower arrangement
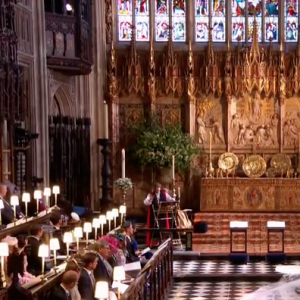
153	145
123	184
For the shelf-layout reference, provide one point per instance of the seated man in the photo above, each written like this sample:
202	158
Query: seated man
132	254
157	195
103	270
63	291
7	213
86	283
55	219
34	261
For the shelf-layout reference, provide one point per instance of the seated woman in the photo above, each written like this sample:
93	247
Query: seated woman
18	256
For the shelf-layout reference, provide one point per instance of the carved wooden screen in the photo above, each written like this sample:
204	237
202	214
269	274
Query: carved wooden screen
70	158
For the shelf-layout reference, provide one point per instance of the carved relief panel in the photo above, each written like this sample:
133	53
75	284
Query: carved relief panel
253	120
209	118
291	123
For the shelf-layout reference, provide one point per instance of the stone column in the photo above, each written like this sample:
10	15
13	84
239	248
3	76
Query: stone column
40	96
97	83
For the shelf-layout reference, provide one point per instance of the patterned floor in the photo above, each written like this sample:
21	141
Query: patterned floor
217	238
198	268
220	280
214	290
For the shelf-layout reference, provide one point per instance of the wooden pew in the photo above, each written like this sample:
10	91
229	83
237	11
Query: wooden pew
155	278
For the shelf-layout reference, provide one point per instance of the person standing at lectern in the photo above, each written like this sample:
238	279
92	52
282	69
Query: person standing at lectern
157	195
7	213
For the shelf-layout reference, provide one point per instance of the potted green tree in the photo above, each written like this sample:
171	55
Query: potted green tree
154	145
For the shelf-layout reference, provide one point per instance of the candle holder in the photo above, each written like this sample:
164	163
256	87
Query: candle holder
78	233
47	194
55	191
14	202
26	200
210	170
43	253
4	252
54	246
106	200
109	218
123	210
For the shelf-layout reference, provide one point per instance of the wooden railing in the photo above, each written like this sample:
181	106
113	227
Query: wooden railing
156	277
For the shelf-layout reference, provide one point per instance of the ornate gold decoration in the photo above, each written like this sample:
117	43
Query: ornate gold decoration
151	73
254	166
281	161
254	66
171	81
211	83
228	161
113	89
228	72
191	88
133	80
108	21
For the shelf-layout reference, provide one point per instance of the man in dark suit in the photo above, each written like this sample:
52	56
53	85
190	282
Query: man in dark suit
7	212
55	219
34	261
132	254
62	292
86	283
103	270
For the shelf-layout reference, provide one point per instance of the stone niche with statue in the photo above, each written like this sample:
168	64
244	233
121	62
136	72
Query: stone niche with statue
241	104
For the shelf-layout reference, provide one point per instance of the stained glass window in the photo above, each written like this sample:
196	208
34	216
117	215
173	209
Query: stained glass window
202	20
218	20
238	23
255	8
124	19
142	20
161	20
178	20
291	20
271	20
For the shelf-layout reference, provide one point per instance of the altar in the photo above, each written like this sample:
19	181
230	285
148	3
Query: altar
250	195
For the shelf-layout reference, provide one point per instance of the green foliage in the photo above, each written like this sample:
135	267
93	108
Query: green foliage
154	145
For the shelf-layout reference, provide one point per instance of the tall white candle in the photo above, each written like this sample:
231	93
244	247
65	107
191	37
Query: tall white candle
123	163
173	167
105	120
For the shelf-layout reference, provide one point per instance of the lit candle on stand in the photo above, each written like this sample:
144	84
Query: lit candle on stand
78	234
109	218
47	194
87	228
115	213
14	201
54	246
43	253
55	191
102	220
123	163
26	200
96	225
105	120
173	167
37	195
